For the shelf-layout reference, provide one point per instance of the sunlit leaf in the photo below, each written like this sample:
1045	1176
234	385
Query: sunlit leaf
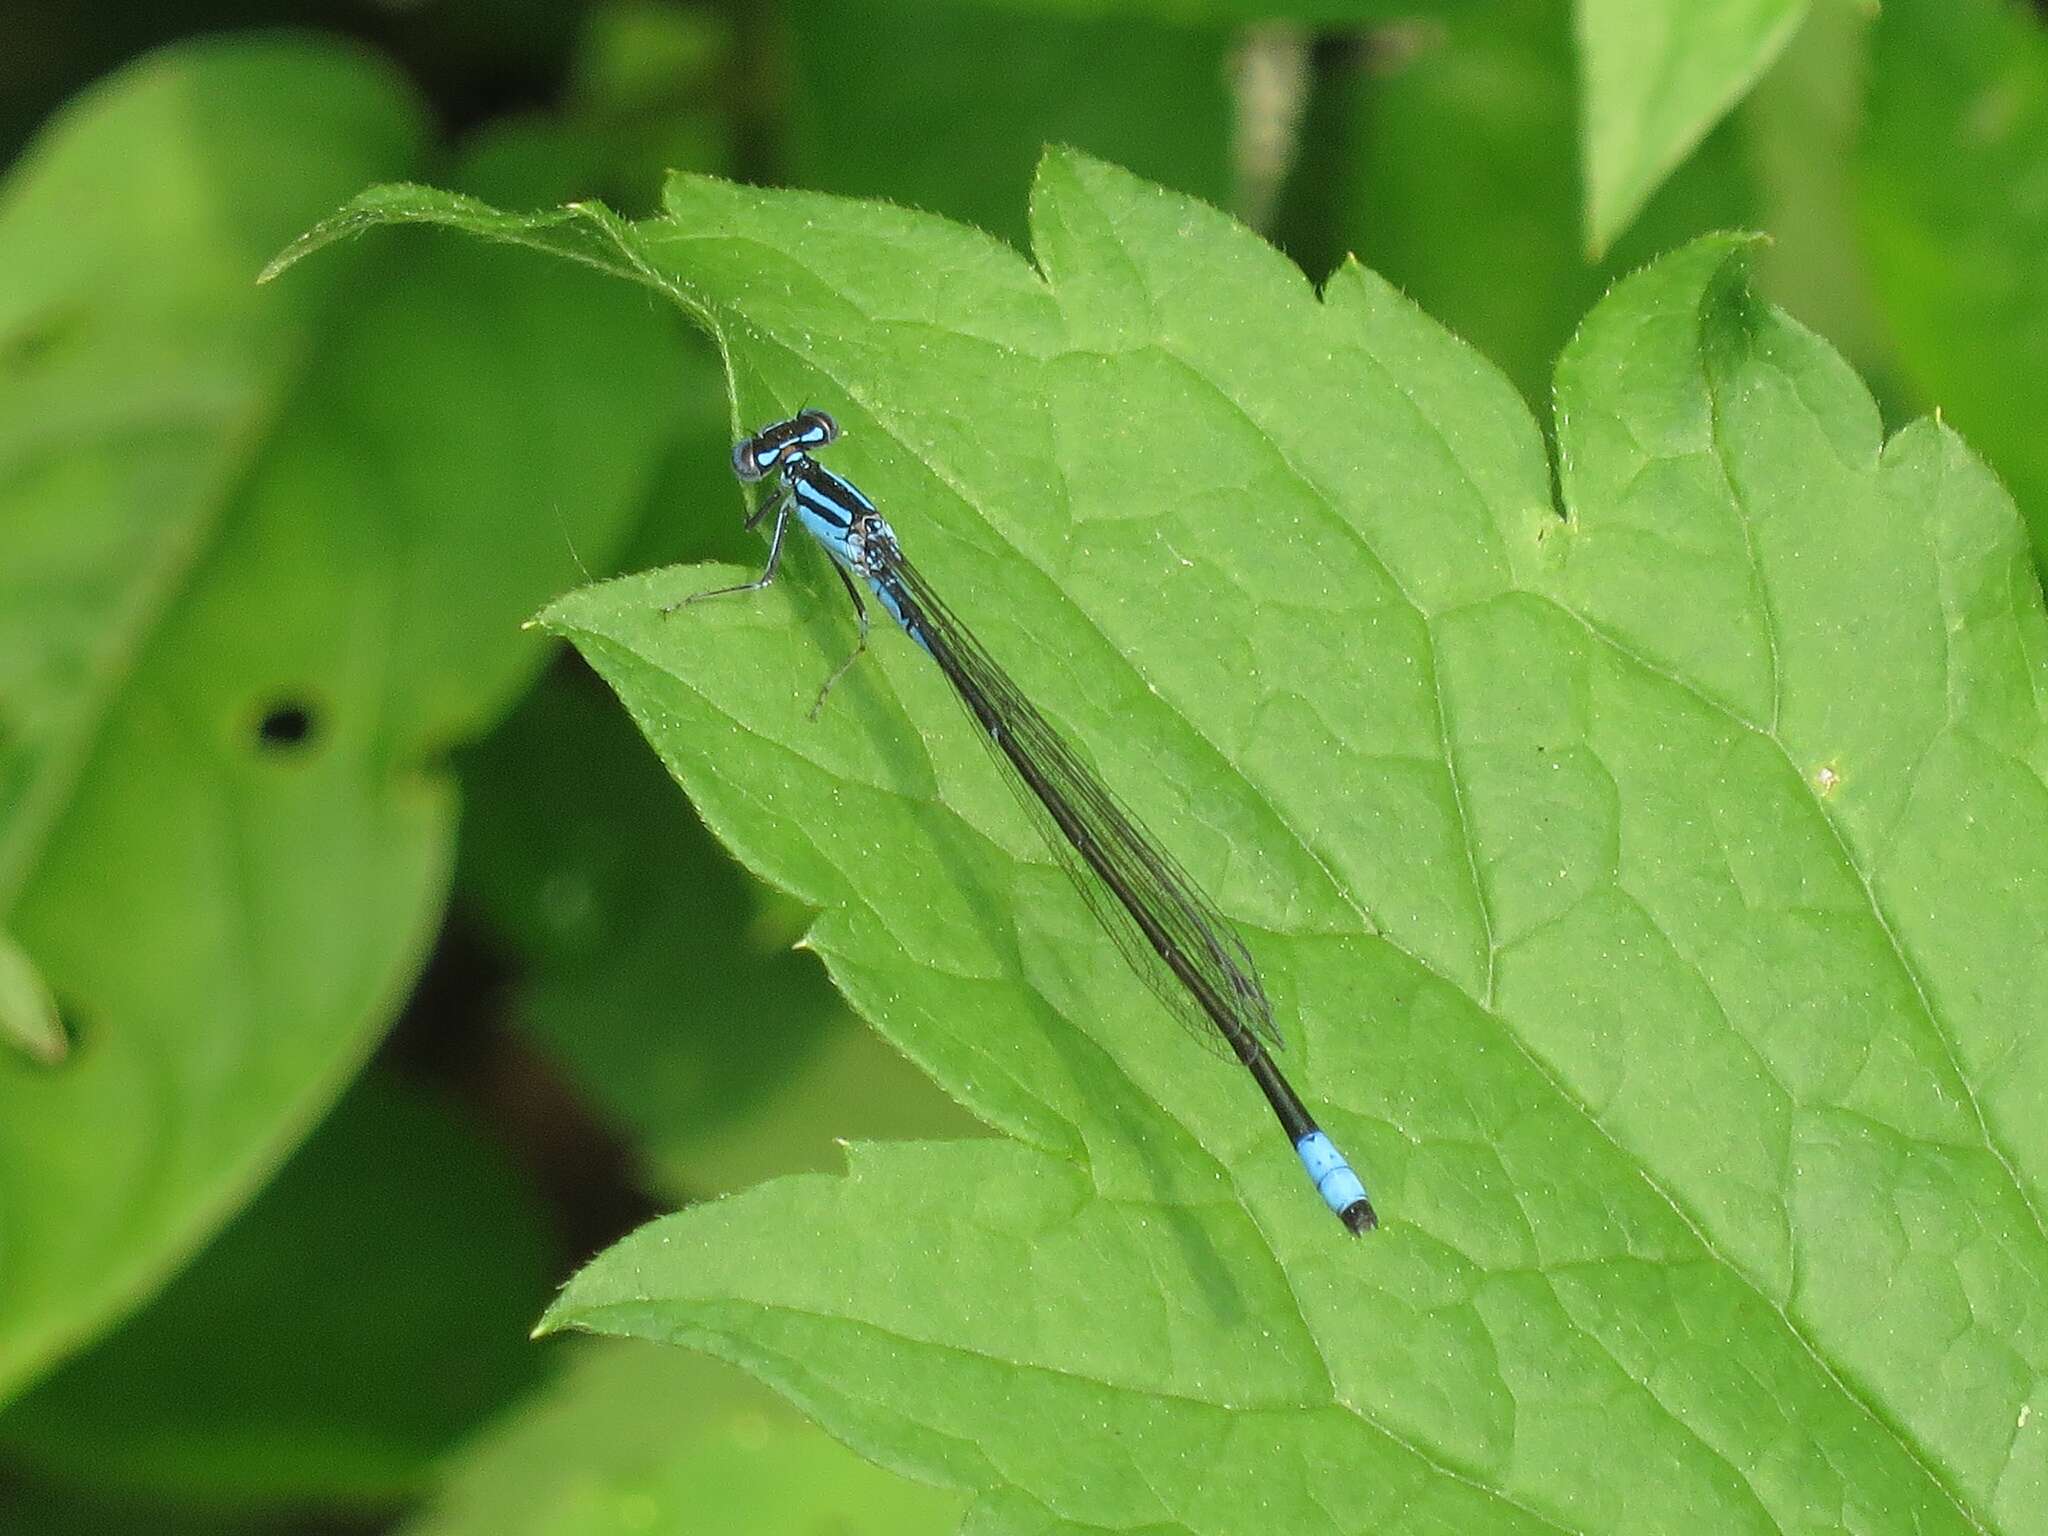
1655	894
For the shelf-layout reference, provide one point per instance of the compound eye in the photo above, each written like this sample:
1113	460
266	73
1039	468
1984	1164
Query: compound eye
745	461
824	426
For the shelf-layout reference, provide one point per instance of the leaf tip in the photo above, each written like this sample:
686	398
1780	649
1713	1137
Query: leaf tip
305	244
553	1320
553	618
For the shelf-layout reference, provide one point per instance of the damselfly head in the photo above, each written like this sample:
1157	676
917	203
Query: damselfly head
754	458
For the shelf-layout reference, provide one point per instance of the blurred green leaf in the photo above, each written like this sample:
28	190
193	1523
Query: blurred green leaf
638	57
37	1509
1955	205
1655	76
1225	12
331	1344
263	555
1461	185
631	934
1800	130
953	104
647	88
1644	915
648	1441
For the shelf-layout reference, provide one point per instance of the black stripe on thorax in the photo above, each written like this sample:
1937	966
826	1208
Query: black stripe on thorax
824	494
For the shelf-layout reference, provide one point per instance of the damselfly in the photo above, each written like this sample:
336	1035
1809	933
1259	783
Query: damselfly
1172	934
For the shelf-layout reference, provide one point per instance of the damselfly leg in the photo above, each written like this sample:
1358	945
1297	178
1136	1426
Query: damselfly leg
779	505
860	612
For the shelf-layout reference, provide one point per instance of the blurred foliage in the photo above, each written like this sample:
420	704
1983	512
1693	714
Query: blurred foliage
245	618
627	1439
621	906
1654	77
272	744
255	1380
1150	95
1492	93
1955	218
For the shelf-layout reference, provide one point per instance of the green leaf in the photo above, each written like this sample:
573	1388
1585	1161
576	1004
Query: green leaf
263	555
1654	76
316	1393
1654	896
1955	221
646	1440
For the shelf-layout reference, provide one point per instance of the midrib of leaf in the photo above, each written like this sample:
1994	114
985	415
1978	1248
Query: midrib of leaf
64	760
1421	418
1758	580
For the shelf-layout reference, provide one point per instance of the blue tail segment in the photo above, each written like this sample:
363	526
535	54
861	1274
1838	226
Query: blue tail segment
1341	1189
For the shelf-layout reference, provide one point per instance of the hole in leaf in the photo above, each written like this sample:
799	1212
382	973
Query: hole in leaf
286	726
